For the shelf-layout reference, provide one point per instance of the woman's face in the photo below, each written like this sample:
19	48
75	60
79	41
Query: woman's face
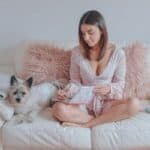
91	34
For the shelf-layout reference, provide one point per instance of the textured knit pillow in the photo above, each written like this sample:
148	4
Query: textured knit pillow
44	62
138	74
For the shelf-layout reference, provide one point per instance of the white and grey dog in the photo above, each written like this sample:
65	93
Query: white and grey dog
28	100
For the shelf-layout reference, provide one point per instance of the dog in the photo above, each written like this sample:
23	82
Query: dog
28	100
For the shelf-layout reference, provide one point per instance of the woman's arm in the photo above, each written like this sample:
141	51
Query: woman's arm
118	81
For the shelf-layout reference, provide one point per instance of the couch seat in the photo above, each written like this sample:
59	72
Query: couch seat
44	133
129	134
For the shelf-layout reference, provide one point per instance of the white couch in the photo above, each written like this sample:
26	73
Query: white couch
45	133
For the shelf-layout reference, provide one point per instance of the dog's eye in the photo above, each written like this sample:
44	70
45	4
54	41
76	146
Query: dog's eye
15	92
1	96
23	93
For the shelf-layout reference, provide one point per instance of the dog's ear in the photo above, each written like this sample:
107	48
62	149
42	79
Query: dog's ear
29	82
13	80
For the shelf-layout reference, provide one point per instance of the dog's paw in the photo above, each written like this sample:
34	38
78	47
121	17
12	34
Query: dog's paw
29	119
23	119
19	119
31	116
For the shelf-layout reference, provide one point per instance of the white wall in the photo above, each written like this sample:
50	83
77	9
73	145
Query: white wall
57	20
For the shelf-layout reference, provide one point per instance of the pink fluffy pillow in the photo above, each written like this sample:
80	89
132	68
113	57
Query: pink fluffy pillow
138	75
44	63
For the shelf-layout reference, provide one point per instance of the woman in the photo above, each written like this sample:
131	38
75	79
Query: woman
98	64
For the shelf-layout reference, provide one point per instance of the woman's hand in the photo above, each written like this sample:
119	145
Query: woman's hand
102	90
89	124
62	94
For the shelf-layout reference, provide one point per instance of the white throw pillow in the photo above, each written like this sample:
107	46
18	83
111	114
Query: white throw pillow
6	110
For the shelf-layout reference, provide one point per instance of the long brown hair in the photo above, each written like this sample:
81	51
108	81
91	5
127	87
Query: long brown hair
95	18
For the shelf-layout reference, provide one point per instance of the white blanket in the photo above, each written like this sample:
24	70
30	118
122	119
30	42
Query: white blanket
83	96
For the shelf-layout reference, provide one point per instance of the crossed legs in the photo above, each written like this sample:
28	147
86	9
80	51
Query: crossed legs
119	110
70	113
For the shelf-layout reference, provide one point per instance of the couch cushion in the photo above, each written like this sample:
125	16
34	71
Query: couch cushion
129	134
45	133
137	76
44	62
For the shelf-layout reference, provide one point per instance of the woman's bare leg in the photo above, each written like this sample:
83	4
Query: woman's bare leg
70	113
120	110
